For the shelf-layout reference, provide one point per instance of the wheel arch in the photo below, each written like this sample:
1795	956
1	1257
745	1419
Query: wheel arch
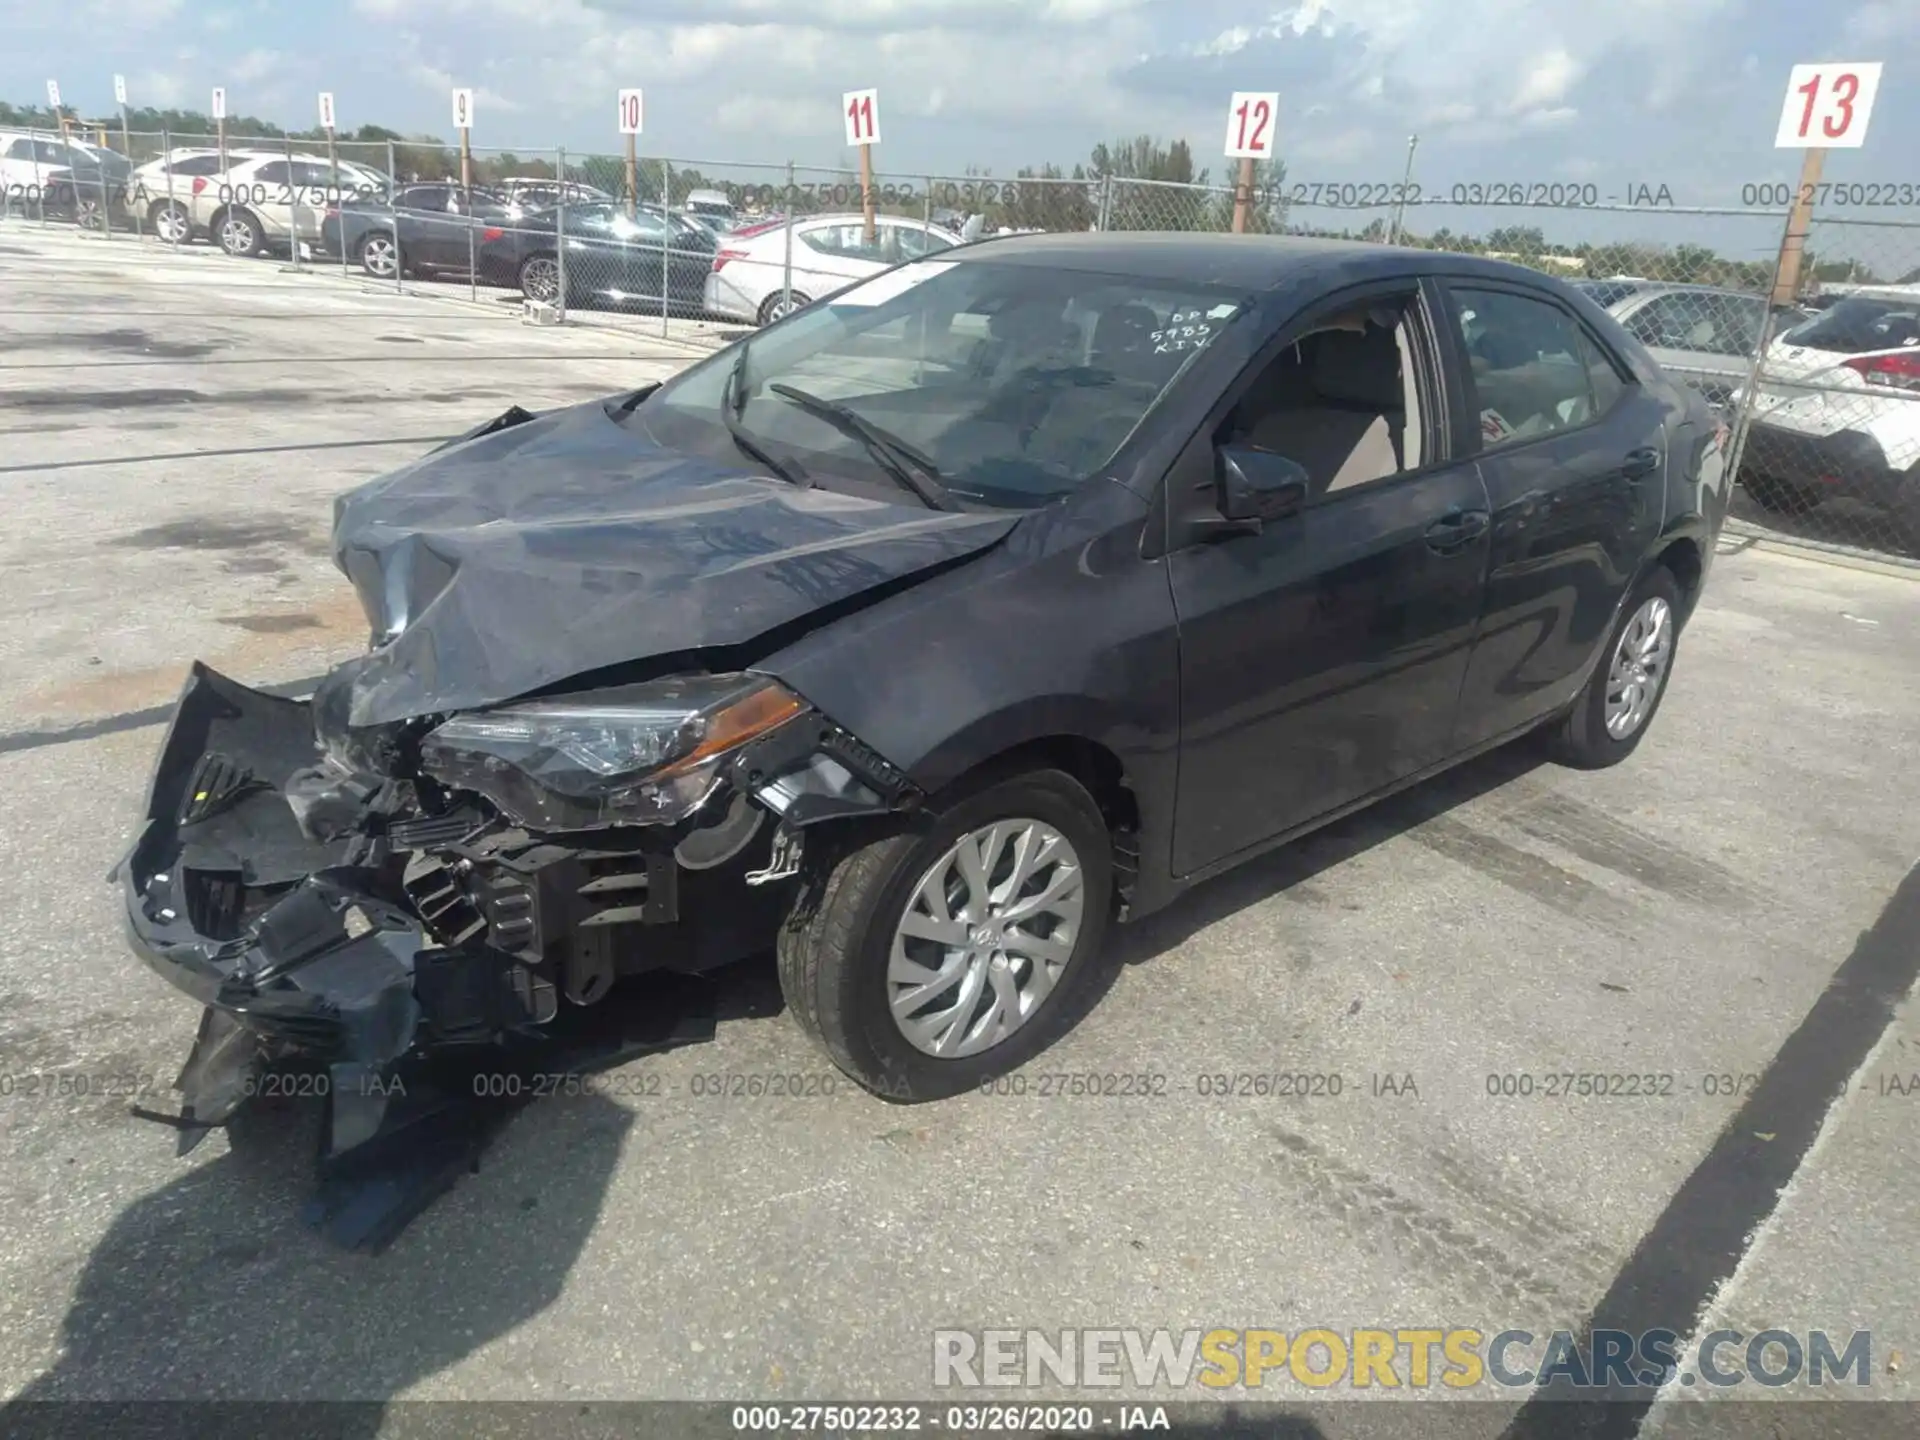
1094	764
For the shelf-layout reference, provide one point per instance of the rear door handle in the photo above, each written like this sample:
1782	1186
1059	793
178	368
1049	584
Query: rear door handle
1640	463
1457	530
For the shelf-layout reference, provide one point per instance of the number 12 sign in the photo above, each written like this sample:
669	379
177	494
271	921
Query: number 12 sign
861	110
1827	106
1250	124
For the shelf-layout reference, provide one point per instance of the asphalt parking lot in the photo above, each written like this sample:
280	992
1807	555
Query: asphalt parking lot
175	428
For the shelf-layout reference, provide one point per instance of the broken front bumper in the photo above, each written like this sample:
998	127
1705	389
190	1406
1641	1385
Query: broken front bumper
288	941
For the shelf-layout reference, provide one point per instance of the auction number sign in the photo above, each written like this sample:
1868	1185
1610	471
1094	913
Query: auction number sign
1250	124
631	112
861	110
219	102
463	109
1827	106
326	110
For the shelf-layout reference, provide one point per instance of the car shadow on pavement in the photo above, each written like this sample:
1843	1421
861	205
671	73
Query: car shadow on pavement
208	1288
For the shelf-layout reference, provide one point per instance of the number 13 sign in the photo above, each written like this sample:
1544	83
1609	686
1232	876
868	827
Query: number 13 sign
1827	106
1250	124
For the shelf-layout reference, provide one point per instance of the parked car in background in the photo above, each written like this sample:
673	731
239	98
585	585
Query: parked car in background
1703	334
830	252
921	639
612	258
31	163
426	229
531	194
1837	411
247	200
712	205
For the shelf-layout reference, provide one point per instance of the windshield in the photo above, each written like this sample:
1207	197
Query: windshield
1860	323
1017	382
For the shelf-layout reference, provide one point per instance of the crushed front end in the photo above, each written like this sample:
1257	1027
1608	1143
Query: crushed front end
355	901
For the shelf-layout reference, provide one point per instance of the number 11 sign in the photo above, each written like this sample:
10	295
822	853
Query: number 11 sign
861	110
1250	124
1827	106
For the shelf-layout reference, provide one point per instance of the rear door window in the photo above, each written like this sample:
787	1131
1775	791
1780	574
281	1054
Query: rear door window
1535	370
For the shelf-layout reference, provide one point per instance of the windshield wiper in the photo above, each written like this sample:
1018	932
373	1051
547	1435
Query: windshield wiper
733	399
894	455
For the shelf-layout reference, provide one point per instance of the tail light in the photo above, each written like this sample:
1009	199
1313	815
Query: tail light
721	257
1900	371
492	232
199	183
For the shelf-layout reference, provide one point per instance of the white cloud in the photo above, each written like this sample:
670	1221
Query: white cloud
253	67
1880	22
1546	79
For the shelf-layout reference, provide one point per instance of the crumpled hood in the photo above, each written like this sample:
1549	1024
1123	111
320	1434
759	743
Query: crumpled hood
568	543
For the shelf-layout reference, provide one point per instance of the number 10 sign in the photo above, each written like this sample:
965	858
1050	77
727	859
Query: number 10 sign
1250	124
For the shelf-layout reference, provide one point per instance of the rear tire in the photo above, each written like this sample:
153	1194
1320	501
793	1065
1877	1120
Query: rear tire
774	307
539	278
171	222
378	255
239	232
849	954
1616	708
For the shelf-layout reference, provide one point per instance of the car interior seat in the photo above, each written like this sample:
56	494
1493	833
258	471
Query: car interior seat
1339	409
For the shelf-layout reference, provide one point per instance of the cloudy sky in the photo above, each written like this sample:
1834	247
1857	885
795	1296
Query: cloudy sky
1683	93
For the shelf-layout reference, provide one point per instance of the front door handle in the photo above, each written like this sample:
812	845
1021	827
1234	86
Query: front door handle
1640	463
1456	530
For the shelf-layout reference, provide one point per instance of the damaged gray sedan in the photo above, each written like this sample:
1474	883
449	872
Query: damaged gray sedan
916	638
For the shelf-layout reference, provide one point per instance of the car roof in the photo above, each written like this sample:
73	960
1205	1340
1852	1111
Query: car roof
1244	262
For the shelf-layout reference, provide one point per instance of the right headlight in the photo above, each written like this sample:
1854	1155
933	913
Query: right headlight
646	754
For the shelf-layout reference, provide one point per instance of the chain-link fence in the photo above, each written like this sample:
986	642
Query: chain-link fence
1816	372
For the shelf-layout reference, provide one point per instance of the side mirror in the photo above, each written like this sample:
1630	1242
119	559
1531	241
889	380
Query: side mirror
1254	486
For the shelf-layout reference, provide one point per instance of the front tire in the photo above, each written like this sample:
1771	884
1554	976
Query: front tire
1612	715
931	959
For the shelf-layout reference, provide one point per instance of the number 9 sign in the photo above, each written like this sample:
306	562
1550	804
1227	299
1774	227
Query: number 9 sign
463	109
1250	124
1827	106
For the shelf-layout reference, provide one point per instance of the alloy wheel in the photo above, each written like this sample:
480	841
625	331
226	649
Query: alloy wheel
985	936
379	256
540	279
1638	667
171	225
237	236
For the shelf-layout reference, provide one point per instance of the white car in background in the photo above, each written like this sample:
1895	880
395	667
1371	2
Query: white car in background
830	252
1837	410
246	200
